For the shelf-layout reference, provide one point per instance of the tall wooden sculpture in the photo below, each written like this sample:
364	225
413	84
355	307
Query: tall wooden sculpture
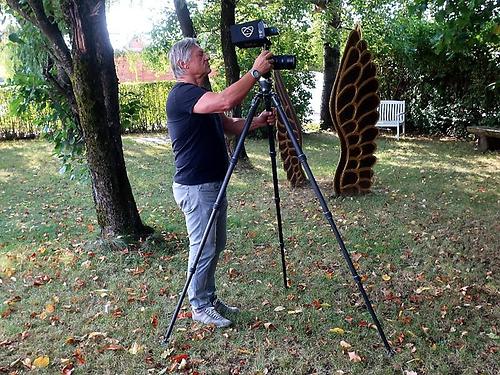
291	164
353	107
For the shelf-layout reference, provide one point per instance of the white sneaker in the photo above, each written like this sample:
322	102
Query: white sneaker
210	316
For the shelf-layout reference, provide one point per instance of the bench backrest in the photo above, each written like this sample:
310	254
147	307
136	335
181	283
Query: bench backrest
392	110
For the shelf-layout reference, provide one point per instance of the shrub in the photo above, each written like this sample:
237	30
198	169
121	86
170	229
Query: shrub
142	107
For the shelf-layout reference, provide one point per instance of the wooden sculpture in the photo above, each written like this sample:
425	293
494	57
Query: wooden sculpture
294	172
353	107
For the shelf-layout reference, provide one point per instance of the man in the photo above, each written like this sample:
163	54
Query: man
196	125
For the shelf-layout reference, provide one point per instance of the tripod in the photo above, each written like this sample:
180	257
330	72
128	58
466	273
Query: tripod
265	93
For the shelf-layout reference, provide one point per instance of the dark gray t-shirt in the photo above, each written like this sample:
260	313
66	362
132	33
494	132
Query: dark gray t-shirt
197	139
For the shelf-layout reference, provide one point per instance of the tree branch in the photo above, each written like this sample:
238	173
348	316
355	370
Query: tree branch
35	13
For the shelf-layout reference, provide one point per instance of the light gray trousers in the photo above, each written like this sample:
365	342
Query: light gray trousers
196	202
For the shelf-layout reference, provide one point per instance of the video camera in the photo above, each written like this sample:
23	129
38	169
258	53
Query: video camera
254	34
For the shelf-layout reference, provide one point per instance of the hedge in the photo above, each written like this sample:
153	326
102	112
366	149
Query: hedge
142	109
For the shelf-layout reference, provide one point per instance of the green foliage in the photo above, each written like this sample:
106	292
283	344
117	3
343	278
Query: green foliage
35	104
293	39
26	108
130	106
294	26
142	106
441	57
12	126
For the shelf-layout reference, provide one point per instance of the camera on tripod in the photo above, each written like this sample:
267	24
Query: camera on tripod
254	34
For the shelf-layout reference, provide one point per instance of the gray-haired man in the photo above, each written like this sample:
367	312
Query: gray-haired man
196	125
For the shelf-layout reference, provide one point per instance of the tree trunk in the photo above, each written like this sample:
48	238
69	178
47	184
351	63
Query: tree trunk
232	69
331	65
331	57
95	86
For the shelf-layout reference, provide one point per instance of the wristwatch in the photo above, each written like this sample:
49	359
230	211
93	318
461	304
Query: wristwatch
255	73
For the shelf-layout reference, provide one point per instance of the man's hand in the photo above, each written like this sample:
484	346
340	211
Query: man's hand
263	63
266	117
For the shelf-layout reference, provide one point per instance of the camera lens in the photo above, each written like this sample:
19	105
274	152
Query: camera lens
284	62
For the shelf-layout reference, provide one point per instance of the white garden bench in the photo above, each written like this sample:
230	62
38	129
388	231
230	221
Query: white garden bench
392	115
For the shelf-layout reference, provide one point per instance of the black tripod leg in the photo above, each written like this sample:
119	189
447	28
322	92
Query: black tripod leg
272	153
213	215
329	218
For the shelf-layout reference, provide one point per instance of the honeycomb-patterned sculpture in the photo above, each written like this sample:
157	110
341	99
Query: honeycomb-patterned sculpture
291	164
353	107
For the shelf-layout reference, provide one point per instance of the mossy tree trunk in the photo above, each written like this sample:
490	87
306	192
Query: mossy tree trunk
89	65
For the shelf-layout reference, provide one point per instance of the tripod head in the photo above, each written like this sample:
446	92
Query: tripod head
265	84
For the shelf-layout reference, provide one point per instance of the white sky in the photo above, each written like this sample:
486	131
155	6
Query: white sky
127	18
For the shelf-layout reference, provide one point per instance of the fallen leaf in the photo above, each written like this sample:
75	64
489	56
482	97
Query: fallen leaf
27	362
41	280
269	326
154	321
293	312
279	308
12	301
65	361
135	348
179	357
337	330
50	308
137	271
386	277
42	361
233	273
9	272
316	304
185	315
345	345
244	351
353	357
113	347
79	357
183	365
96	335
68	369
421	289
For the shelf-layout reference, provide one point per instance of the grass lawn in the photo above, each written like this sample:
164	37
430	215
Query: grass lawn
426	243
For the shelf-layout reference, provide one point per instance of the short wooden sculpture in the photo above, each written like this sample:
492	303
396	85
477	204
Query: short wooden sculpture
353	107
294	172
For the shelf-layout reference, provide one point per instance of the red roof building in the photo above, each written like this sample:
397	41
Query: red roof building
131	68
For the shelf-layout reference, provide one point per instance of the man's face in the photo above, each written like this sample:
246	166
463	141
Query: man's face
198	63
